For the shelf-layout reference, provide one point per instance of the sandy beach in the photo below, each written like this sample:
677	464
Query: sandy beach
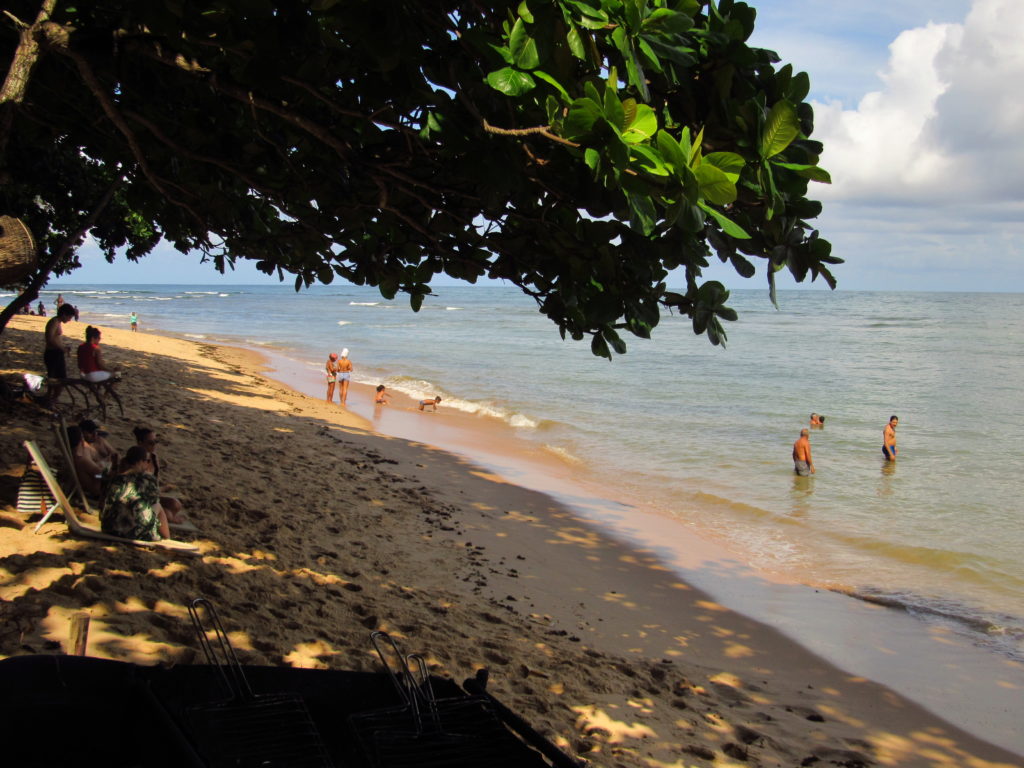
317	529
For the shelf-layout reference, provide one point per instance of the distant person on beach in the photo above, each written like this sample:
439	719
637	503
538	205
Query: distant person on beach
54	353
41	309
60	300
381	397
889	439
131	507
344	374
90	358
803	464
432	403
332	375
134	320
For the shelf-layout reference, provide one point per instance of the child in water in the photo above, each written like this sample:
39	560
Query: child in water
432	403
380	398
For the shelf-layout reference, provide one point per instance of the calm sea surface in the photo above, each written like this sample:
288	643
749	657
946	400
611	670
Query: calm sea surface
705	434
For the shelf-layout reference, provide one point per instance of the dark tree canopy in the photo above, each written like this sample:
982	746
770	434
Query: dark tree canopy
580	149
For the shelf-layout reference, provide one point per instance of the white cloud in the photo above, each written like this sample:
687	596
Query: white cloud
945	127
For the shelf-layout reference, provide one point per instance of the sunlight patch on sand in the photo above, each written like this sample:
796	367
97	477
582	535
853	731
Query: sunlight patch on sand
245	401
311	655
590	718
168	570
13	586
233	564
738	651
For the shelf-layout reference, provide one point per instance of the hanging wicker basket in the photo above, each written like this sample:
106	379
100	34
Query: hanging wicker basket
17	250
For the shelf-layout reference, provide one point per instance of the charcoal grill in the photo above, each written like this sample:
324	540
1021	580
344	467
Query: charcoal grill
245	729
430	732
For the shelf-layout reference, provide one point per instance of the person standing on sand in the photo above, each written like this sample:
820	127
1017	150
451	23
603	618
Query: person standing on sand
803	465
889	439
54	352
344	374
332	375
134	320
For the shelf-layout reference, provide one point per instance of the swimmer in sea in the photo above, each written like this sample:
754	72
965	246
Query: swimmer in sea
803	465
432	403
889	439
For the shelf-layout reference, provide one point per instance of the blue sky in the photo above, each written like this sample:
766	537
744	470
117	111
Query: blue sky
921	110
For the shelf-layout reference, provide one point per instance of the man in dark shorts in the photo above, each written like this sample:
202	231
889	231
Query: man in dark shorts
803	464
54	354
889	439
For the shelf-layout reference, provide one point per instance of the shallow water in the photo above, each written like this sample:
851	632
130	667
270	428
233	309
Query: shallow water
704	434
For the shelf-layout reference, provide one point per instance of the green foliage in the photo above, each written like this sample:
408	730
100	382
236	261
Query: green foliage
579	149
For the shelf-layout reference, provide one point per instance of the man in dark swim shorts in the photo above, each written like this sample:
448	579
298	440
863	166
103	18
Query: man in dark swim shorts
54	354
889	439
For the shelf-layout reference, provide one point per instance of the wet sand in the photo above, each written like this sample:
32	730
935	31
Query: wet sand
317	529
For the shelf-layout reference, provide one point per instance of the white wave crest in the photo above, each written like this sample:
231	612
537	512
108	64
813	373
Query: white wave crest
364	303
562	453
344	322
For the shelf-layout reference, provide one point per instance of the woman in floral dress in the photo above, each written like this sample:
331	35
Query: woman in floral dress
131	507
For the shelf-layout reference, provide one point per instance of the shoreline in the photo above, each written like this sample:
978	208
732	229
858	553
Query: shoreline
637	661
821	619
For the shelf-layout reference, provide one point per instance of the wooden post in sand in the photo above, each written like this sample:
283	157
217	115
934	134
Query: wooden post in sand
79	633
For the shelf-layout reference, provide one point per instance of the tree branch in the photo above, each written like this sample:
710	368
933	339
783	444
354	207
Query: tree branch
539	130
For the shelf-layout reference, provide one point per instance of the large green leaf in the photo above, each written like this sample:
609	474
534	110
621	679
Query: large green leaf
780	129
728	226
511	82
670	150
575	42
649	160
666	20
583	113
812	172
643	125
714	184
523	47
729	163
540	74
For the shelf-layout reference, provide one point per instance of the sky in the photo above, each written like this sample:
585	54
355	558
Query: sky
920	106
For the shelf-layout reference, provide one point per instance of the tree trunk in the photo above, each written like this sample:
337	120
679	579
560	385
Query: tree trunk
16	83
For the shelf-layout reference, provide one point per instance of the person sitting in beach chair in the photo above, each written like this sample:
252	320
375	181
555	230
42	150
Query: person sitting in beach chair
147	439
131	507
96	440
90	471
431	403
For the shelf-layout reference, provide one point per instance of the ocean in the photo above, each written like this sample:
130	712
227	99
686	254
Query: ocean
703	435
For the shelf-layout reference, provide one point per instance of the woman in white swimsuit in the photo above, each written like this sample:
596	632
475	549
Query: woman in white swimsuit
344	374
